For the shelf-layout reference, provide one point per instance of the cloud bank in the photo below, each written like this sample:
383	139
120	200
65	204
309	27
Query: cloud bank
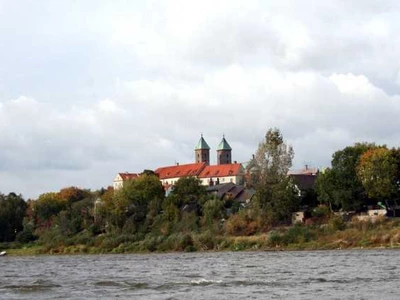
91	89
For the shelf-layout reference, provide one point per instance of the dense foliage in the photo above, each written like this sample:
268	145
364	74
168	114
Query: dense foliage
12	213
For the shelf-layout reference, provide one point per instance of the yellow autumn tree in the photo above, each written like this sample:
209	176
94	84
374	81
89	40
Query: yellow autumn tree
377	172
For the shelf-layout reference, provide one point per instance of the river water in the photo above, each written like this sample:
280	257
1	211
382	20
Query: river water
368	274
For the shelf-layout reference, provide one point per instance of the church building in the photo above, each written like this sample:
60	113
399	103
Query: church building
223	172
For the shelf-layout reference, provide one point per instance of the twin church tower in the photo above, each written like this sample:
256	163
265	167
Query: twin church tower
202	152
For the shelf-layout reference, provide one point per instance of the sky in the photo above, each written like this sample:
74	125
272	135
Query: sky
92	88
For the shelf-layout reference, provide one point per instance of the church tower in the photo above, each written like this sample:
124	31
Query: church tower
224	152
202	151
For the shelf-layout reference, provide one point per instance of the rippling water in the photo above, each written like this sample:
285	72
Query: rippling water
354	274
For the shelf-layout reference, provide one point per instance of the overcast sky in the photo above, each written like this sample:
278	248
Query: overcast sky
92	88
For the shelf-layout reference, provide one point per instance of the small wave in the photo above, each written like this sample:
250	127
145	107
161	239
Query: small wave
251	283
340	281
107	283
137	285
36	286
203	281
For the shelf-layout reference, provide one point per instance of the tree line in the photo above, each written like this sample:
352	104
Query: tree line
359	175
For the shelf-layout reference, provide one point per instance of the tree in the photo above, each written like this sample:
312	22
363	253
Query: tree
12	213
340	186
188	190
136	199
275	193
377	172
47	206
326	188
212	211
273	157
396	156
73	194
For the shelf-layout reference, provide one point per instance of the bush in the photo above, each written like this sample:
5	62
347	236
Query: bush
189	223
296	234
52	238
25	236
152	243
275	239
321	211
235	225
337	223
205	241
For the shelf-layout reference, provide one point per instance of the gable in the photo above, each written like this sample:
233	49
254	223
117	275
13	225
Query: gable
126	176
118	177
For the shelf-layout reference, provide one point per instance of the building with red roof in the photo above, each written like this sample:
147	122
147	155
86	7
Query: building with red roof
119	180
171	174
223	172
219	174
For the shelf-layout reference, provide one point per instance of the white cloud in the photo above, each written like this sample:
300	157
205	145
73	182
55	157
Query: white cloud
123	86
352	84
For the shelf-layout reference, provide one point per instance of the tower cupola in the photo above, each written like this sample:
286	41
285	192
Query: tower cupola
224	152
202	151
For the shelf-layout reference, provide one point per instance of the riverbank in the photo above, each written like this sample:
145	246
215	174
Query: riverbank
335	234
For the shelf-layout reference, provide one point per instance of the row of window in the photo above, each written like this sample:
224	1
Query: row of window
203	181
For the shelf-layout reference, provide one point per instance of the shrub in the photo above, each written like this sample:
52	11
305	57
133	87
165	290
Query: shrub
176	242
189	223
275	239
298	234
205	241
295	234
26	236
235	225
337	223
321	211
152	243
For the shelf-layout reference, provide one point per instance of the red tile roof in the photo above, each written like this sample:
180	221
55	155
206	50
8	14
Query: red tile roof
180	170
127	176
221	171
305	171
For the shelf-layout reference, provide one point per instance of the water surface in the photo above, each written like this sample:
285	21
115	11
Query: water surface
371	274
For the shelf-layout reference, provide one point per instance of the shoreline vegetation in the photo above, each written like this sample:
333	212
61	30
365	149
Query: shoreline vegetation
335	234
144	216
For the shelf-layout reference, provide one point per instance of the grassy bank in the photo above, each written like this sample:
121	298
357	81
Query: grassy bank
334	234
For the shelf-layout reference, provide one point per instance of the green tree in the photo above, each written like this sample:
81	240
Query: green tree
326	188
12	213
136	199
275	193
188	190
340	186
396	156
377	172
212	211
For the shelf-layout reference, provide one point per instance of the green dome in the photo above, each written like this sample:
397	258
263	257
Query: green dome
224	145
202	144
